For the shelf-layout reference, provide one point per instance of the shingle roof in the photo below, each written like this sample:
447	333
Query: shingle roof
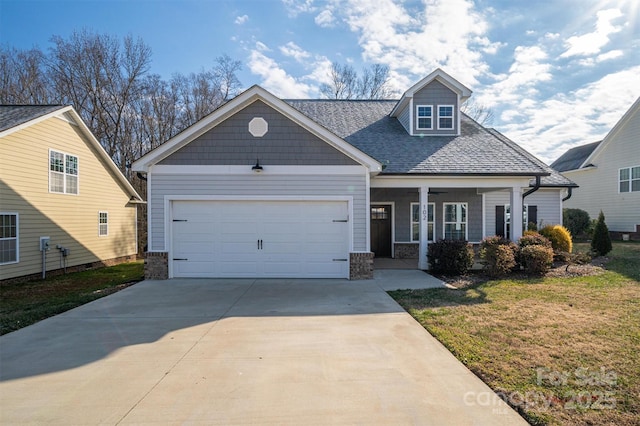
573	158
477	151
15	115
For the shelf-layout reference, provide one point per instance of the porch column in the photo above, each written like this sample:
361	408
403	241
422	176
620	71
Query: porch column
516	213
424	228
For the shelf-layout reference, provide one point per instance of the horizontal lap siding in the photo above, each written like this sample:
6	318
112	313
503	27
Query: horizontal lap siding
547	201
257	185
69	220
436	93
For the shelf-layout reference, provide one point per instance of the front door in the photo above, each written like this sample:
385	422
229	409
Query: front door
381	230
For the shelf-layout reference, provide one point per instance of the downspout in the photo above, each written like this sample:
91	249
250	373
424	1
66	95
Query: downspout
534	189
141	177
569	192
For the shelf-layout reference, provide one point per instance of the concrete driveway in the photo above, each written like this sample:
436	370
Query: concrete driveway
204	351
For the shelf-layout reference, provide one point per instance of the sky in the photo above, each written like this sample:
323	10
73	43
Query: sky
555	73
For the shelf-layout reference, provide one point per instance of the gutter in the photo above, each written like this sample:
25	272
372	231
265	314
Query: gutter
534	189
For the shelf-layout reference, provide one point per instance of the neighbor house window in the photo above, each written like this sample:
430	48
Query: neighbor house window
103	224
415	222
629	179
63	173
445	117
8	238
455	221
424	117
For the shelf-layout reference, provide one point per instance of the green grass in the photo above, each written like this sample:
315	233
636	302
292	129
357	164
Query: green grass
506	330
23	304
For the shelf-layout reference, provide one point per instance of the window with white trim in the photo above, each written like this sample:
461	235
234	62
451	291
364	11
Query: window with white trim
629	179
8	238
445	117
415	222
63	173
103	224
455	221
424	117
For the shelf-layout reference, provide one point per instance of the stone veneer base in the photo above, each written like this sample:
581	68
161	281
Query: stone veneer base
361	266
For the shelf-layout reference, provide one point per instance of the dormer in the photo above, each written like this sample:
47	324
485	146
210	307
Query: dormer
431	107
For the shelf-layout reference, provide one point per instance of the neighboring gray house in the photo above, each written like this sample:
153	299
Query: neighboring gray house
264	187
608	173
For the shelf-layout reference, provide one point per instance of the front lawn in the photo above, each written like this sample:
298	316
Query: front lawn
561	350
26	303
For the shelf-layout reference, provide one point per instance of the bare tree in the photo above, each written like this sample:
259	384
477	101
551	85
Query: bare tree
225	72
101	77
479	112
22	77
347	84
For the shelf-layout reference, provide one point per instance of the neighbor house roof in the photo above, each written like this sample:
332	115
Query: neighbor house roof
476	151
17	117
575	157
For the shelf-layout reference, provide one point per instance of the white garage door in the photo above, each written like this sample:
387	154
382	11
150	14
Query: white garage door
281	239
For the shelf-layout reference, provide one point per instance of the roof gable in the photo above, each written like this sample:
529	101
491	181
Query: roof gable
438	75
237	104
19	117
575	157
631	113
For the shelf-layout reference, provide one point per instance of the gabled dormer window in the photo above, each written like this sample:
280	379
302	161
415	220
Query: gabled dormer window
445	117
424	117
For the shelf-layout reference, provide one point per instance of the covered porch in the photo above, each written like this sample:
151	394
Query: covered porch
406	214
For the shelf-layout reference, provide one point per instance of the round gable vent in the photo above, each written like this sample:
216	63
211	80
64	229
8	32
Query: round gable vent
258	127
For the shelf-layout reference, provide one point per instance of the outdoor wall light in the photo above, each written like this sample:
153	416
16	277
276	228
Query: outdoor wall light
257	168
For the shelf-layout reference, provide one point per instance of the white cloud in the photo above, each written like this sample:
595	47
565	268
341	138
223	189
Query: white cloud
325	19
296	7
529	67
567	120
274	78
444	33
592	43
294	51
612	54
241	19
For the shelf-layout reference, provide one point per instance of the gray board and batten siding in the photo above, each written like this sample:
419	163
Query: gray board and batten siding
285	143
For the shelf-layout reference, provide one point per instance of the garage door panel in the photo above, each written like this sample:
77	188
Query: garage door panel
221	238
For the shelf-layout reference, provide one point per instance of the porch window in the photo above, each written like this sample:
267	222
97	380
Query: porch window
507	219
415	222
455	221
424	114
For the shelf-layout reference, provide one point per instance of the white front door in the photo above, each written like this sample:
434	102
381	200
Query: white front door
305	239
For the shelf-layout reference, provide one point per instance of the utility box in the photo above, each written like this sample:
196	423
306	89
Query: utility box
44	243
66	252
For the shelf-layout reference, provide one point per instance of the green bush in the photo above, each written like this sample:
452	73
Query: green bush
601	240
450	257
536	259
577	221
498	255
559	236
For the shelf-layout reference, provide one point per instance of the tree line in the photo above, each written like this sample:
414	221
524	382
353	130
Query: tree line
131	110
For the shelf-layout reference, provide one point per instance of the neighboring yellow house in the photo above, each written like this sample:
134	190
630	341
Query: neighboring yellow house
59	186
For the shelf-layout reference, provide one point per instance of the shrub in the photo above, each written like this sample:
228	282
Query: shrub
536	259
498	255
450	256
577	221
601	240
533	239
559	236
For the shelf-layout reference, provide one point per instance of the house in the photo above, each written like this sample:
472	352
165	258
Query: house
608	173
264	187
59	191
